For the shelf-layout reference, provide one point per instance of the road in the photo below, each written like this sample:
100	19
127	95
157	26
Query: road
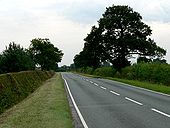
110	104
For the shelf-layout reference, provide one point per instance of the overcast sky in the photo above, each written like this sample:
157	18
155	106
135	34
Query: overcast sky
67	22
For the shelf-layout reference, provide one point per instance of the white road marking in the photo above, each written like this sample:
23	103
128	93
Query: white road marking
91	82
162	113
160	93
102	87
87	80
133	101
115	93
75	105
96	84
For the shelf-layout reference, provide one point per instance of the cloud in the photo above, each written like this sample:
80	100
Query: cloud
82	11
161	36
89	11
67	22
157	10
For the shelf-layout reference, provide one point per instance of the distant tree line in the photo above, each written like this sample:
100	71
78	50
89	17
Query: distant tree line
41	54
119	35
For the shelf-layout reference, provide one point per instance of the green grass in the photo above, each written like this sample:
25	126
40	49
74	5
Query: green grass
14	87
155	87
47	107
146	85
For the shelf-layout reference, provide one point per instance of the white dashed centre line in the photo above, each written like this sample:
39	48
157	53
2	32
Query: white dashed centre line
91	82
129	99
102	87
96	84
115	93
162	113
136	102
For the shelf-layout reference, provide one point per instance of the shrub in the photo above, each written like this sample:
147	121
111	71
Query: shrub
105	71
88	70
152	72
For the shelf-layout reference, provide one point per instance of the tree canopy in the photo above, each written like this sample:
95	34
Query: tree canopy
45	54
120	34
15	58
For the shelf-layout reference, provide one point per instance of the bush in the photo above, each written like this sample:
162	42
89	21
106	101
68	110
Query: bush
152	72
88	70
14	87
105	71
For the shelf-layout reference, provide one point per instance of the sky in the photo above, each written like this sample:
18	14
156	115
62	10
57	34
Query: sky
67	22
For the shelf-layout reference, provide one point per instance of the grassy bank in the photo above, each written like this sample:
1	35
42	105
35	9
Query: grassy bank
47	107
147	85
14	87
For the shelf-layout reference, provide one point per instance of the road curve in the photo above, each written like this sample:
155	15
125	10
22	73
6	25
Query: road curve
109	104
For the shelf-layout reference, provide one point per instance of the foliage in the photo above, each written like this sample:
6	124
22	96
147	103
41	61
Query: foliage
47	107
125	34
45	54
80	60
152	72
88	70
105	72
15	59
91	55
63	68
143	59
120	34
149	60
14	87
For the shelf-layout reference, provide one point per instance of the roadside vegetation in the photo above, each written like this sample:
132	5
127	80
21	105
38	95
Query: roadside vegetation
151	72
153	76
14	87
41	54
47	107
119	36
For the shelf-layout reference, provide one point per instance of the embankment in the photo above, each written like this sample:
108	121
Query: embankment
14	87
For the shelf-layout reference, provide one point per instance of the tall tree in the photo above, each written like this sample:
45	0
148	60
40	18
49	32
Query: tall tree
15	58
91	56
120	34
125	34
45	54
93	47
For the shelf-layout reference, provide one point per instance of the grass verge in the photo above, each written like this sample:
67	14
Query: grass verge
47	107
155	87
146	85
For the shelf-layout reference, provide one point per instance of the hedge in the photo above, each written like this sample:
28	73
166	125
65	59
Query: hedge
14	87
152	72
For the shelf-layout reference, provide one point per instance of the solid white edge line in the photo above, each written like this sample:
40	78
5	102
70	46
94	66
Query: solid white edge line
133	101
115	93
102	87
155	110
75	105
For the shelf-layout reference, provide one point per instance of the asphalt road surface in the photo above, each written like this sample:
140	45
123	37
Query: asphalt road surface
109	104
